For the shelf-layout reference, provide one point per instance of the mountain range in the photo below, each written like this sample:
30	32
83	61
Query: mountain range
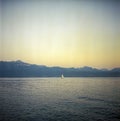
23	69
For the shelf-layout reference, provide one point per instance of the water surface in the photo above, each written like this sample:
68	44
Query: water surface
56	99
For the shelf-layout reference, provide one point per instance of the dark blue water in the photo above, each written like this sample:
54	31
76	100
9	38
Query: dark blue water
55	99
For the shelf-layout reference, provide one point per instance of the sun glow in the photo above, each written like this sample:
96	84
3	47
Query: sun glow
69	34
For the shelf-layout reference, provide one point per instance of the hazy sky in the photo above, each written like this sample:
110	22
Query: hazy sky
70	33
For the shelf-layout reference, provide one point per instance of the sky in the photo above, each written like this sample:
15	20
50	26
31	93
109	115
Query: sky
67	33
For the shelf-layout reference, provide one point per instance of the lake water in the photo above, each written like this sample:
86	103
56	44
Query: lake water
56	99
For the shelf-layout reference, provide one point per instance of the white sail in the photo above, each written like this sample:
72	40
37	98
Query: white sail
62	76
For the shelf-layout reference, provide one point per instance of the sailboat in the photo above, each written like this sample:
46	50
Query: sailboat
62	76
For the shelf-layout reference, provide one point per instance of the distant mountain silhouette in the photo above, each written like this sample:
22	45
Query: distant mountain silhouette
22	69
